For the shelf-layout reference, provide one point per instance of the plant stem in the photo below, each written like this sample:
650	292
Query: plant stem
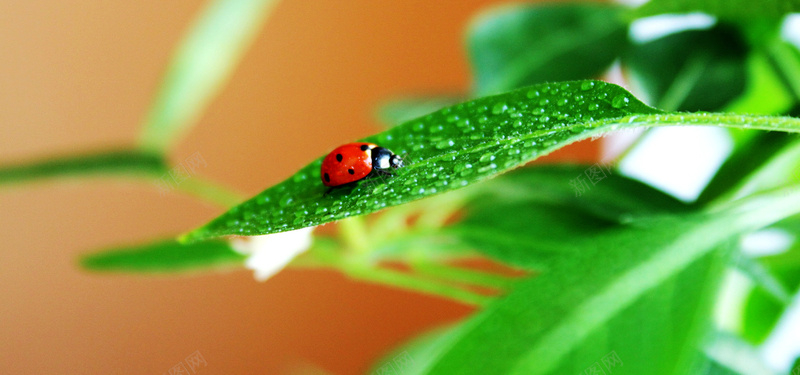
788	61
413	282
464	276
684	82
326	255
354	233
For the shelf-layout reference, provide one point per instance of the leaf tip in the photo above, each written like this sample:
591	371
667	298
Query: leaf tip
190	237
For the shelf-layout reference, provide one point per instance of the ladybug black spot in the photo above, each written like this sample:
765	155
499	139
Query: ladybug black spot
364	147
327	178
338	157
351	171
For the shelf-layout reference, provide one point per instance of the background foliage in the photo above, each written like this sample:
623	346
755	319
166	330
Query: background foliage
616	275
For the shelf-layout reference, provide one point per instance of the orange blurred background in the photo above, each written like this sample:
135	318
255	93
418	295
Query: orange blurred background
80	75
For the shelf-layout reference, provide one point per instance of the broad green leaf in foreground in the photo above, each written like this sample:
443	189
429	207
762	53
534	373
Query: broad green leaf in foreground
522	44
550	215
201	65
164	256
617	292
98	163
461	145
733	10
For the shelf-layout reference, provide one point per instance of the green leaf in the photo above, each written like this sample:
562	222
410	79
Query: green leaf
763	307
734	10
614	293
461	145
728	354
550	214
164	256
417	354
760	315
518	45
97	163
739	173
764	91
695	70
203	62
398	111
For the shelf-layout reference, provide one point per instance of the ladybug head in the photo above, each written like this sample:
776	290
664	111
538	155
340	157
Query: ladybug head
396	162
384	159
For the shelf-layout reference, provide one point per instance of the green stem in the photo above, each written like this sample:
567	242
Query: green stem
353	231
463	276
684	82
413	282
435	214
326	255
788	61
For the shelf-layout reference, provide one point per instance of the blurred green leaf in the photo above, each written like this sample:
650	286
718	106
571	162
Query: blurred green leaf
733	10
549	214
203	62
725	353
517	45
460	145
760	315
612	295
695	70
417	354
762	277
739	174
398	111
763	307
164	256
97	163
764	91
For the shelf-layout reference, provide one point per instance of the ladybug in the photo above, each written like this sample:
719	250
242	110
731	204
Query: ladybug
356	161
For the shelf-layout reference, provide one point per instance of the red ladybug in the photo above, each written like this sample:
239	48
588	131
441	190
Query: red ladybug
355	161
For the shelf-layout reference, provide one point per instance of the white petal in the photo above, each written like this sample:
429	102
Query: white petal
270	253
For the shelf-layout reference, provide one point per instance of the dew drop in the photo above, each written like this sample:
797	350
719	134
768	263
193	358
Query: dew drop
285	201
445	144
486	157
588	85
487	168
577	129
461	167
533	94
594	106
499	108
620	101
299	177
